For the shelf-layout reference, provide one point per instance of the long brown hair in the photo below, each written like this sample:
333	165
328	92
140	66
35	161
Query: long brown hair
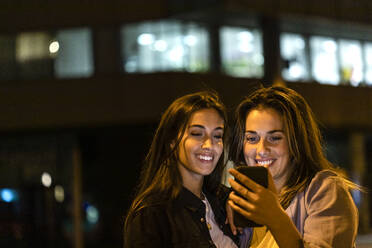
160	176
304	138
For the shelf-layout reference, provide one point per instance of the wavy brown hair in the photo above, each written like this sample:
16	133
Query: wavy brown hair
160	176
304	138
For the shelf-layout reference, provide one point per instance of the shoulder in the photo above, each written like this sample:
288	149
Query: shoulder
147	228
331	215
326	180
151	208
328	190
153	203
148	213
149	220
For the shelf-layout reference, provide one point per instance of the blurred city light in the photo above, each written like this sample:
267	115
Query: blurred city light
146	39
92	214
190	40
8	195
160	45
330	45
176	53
54	47
59	193
46	179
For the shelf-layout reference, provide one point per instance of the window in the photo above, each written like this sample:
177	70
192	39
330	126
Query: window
242	52
75	56
35	55
324	60
293	53
351	62
368	64
165	46
32	55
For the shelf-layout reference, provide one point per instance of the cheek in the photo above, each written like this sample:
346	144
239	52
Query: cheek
185	148
248	150
283	150
248	155
283	153
219	149
191	146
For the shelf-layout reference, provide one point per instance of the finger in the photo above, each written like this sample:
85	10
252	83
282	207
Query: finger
246	181
241	202
247	214
243	191
240	210
230	218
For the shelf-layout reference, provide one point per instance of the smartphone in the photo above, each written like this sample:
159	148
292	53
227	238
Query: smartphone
257	174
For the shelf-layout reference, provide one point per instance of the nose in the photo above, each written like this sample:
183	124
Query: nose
207	143
262	148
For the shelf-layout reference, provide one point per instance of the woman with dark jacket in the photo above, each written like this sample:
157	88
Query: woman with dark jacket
180	201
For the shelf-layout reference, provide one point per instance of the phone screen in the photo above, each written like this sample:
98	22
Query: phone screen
257	174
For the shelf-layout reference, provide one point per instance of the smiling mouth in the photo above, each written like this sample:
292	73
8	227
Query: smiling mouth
205	157
264	163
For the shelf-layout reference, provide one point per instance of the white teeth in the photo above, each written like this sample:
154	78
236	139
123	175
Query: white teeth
205	157
266	162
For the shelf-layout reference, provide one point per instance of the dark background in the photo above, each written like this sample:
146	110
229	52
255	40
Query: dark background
92	133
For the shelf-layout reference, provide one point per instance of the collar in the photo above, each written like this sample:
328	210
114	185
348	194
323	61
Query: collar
188	200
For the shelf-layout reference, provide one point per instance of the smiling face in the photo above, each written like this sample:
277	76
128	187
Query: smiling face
201	145
266	143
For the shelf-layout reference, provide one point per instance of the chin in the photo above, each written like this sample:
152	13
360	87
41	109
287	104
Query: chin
207	172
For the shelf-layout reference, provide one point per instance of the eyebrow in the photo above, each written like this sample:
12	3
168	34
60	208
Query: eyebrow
270	132
201	126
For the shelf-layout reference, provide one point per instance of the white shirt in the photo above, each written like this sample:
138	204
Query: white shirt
218	237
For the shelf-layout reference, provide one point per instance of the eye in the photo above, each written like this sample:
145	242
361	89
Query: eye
218	136
196	134
275	138
252	139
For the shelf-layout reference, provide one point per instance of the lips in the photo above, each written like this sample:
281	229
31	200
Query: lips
265	163
204	157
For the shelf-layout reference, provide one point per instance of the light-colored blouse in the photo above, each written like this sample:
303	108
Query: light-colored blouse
219	238
324	214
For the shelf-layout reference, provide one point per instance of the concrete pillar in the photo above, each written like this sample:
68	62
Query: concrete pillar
107	52
271	48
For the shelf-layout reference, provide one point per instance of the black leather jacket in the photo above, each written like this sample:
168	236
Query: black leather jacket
179	223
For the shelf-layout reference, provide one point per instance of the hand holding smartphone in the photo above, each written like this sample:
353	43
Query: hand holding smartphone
259	175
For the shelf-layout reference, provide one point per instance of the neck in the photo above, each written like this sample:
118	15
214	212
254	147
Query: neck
281	180
194	187
279	184
191	180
